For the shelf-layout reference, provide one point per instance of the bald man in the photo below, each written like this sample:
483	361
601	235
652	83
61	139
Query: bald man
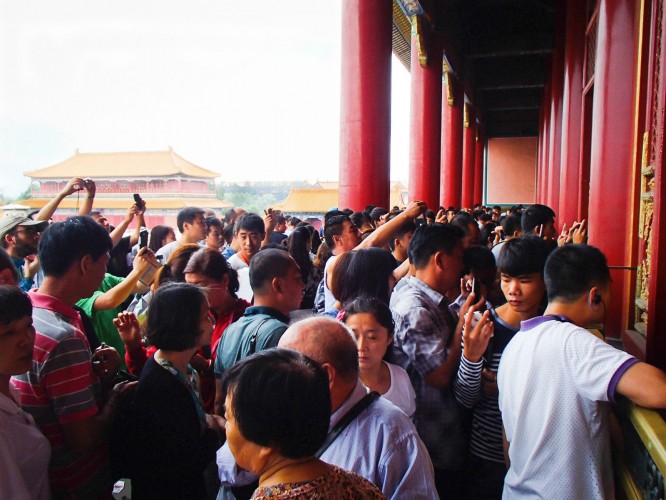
380	444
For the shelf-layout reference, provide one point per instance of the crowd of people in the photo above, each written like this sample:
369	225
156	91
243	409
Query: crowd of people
394	353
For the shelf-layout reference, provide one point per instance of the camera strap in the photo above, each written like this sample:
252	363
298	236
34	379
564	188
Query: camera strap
348	417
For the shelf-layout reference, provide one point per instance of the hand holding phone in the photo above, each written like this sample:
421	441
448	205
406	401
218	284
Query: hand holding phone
140	204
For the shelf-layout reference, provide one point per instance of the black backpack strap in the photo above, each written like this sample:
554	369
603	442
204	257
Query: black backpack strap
353	412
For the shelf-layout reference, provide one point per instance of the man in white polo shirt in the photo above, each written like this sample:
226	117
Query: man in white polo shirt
556	382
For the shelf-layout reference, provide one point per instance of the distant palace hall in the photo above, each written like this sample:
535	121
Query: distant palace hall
167	182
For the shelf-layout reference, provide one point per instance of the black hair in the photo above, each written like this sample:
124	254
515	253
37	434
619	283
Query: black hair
228	232
432	238
230	215
294	221
408	227
481	261
63	243
536	215
6	262
250	222
297	245
212	263
212	222
463	220
572	270
187	214
157	237
280	219
333	225
14	304
374	306
478	213
487	234
368	209
280	398
174	315
363	272
511	224
360	218
524	255
268	264
377	213
430	214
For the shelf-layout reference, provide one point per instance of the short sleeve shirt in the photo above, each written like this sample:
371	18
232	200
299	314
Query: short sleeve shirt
555	383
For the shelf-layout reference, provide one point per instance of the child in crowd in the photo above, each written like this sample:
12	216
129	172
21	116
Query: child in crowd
520	265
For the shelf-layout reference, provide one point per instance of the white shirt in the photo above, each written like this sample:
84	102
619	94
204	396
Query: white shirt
329	299
243	270
555	380
401	392
24	453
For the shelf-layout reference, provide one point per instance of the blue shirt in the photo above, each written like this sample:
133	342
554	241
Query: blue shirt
381	445
424	327
25	283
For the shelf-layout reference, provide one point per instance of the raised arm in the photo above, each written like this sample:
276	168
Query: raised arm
117	233
117	295
75	184
381	236
90	188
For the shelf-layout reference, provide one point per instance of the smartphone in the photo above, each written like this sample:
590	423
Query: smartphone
140	204
143	239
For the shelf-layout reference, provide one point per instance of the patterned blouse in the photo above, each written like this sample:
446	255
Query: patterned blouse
337	483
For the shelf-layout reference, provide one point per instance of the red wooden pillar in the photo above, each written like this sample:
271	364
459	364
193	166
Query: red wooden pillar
425	120
545	156
572	107
452	141
365	104
478	165
554	149
612	177
469	147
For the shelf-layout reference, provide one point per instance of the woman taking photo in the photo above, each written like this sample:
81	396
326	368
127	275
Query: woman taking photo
171	440
372	324
277	408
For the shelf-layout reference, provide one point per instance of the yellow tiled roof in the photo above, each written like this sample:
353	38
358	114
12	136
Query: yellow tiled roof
309	201
119	203
123	164
322	200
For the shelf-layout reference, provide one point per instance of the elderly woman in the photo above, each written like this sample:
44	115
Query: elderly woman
172	440
277	408
24	451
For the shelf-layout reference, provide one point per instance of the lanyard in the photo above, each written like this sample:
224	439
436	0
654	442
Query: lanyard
167	365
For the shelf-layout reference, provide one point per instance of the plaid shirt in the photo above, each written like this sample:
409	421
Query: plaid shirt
424	327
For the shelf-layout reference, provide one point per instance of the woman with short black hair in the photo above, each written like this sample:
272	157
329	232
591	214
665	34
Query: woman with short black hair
278	408
172	439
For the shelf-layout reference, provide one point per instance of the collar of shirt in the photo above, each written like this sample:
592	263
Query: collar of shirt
540	320
356	395
269	311
431	293
10	405
56	305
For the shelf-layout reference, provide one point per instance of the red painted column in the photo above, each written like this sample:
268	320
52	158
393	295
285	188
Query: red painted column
545	153
572	109
425	121
452	141
365	104
612	171
469	146
478	165
555	148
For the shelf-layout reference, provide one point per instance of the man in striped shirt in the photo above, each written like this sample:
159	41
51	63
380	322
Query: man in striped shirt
62	390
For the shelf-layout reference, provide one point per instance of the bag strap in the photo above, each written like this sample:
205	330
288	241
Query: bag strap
353	412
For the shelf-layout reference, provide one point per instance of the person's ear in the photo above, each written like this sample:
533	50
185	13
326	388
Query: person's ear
594	298
330	373
276	284
85	264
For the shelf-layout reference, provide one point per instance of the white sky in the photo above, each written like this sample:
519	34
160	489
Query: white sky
248	89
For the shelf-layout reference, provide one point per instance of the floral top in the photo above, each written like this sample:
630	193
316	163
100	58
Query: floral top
337	483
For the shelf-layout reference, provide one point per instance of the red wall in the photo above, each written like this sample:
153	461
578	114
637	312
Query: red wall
511	171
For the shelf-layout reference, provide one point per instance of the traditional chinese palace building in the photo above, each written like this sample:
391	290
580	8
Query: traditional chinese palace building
164	179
